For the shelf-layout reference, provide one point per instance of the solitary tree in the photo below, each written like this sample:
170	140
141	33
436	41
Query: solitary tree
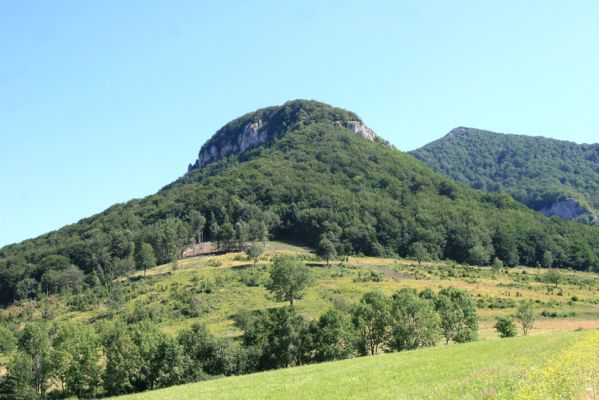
526	316
553	277
289	277
505	326
419	252
497	265
254	251
326	249
145	257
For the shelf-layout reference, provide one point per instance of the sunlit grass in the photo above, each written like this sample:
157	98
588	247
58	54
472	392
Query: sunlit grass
541	367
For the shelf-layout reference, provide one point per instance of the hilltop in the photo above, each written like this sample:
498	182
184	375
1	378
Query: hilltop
554	177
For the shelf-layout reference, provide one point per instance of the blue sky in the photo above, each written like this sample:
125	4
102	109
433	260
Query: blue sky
101	102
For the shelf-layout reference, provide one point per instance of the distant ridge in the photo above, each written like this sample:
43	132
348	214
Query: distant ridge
555	177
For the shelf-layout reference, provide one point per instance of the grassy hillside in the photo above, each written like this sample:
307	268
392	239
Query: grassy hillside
564	365
535	170
164	306
212	289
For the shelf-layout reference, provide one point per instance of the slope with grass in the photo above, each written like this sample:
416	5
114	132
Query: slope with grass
542	173
564	365
214	289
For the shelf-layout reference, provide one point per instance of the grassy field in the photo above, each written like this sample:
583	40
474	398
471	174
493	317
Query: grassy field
213	289
559	365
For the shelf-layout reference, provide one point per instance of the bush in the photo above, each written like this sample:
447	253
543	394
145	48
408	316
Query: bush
506	327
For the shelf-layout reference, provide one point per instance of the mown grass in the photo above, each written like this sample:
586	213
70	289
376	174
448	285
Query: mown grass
560	365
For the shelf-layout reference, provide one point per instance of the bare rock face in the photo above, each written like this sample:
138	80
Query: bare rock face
361	128
456	131
568	209
254	134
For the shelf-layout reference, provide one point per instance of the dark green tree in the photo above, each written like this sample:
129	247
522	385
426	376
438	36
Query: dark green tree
505	326
122	362
145	257
459	321
289	277
372	319
415	322
19	382
275	338
34	341
198	222
326	249
333	337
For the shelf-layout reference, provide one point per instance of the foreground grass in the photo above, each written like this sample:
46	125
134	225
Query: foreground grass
560	365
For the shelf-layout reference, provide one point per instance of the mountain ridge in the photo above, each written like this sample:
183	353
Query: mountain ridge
555	177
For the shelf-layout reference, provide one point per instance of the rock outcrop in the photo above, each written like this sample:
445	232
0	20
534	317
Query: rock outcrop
569	209
253	135
255	129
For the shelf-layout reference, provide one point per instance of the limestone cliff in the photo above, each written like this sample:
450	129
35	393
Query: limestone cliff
267	124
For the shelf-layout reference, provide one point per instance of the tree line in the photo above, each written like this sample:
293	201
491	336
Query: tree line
62	359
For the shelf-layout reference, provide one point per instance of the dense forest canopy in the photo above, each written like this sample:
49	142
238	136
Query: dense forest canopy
314	179
535	170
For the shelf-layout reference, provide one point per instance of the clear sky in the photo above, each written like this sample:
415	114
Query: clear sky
104	101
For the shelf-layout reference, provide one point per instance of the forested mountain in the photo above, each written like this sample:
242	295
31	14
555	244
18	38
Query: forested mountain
552	176
309	172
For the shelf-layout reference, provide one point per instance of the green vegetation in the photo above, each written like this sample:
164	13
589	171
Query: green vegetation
218	308
506	327
61	359
312	181
534	170
87	313
526	316
541	367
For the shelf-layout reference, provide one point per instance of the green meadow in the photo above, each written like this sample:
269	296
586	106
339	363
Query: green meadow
552	366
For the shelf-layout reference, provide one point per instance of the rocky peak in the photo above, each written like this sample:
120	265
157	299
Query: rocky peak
456	131
254	129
